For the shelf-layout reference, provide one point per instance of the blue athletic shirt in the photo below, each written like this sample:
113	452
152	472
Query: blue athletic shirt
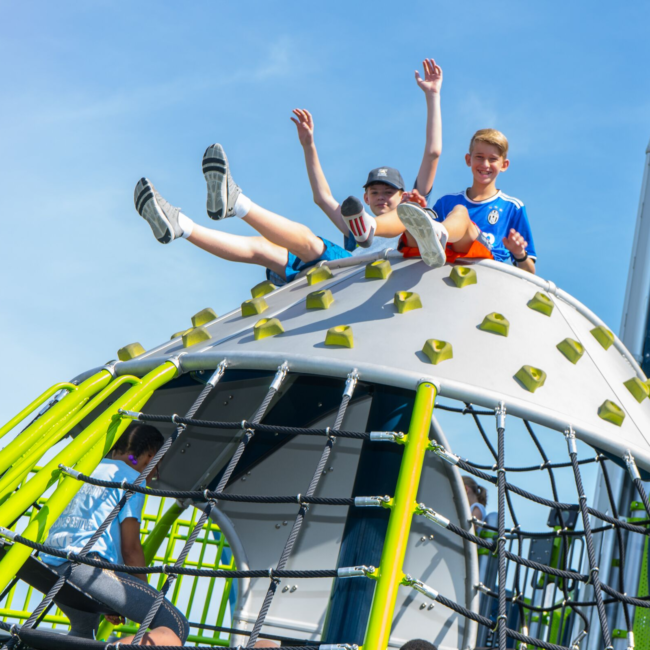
495	217
87	511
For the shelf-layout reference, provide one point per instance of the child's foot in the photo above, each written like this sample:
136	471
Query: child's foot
160	215
430	235
222	190
361	224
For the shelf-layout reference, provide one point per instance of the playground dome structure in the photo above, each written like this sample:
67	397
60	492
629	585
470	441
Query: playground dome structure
311	477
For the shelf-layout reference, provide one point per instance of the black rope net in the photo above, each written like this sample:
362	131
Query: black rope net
544	588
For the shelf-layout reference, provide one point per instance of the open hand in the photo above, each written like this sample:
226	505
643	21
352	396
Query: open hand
432	77
305	125
515	243
414	197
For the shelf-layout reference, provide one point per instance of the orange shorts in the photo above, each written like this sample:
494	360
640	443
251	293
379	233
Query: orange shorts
476	251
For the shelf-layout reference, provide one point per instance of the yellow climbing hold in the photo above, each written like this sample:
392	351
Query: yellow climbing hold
175	335
320	299
531	378
571	349
253	306
130	351
340	335
318	274
463	276
262	289
378	270
603	336
204	317
542	303
638	388
495	323
437	351
194	336
611	412
267	327
407	301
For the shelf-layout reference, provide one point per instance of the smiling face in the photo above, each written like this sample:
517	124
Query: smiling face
486	162
382	198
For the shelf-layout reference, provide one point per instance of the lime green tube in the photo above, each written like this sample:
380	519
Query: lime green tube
399	524
60	411
30	408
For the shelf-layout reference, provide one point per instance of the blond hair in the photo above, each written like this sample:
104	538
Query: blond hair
479	490
493	137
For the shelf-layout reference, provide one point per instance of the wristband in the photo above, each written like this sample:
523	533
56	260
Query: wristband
520	260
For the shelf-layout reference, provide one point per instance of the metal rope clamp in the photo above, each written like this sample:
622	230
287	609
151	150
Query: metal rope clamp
443	453
372	502
388	436
432	515
356	571
419	586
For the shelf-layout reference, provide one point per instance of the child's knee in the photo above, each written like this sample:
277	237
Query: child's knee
460	212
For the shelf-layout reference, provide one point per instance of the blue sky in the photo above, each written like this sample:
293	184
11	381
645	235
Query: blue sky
96	95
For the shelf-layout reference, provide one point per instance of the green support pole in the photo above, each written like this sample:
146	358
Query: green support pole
399	524
60	411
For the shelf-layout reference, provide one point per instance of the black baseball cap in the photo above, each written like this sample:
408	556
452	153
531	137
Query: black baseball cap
387	175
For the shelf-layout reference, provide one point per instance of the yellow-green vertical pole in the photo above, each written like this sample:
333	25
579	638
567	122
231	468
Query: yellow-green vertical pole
399	523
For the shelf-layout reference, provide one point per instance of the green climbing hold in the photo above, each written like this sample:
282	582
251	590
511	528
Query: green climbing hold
262	289
340	335
495	323
267	327
603	336
175	335
542	303
638	388
437	351
195	335
611	412
463	276
531	378
571	349
253	306
407	301
318	274
378	270
320	299
130	351
203	317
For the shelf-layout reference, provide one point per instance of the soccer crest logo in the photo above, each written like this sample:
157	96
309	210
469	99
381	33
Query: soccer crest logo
493	217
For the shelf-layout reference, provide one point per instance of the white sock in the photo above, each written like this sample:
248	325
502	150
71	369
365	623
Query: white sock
242	206
186	224
362	226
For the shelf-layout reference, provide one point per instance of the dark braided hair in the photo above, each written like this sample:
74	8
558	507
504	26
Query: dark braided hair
138	439
418	644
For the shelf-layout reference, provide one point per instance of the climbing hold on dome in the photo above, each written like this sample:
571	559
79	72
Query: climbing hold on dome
195	335
437	351
495	323
571	349
611	412
603	336
320	299
262	289
253	306
407	301
318	274
638	388
130	351
542	303
267	327
203	317
463	276
340	335
175	335
378	270
531	378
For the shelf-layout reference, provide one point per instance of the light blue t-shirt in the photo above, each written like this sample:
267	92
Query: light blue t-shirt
495	217
87	511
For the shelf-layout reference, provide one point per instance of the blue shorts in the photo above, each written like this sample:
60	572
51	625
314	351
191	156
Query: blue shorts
295	265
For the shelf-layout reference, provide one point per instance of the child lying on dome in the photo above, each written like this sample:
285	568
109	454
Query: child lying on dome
286	247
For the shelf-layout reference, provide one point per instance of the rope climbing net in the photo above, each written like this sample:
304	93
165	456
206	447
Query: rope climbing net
551	600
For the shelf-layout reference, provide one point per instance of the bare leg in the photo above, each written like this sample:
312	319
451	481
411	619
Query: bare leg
159	636
462	231
235	248
293	236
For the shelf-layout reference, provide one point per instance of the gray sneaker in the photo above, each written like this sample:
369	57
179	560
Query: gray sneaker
160	215
222	190
430	235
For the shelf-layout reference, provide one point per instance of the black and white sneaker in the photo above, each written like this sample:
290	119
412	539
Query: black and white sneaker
222	190
430	234
160	215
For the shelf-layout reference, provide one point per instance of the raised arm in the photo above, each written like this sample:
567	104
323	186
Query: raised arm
430	85
323	197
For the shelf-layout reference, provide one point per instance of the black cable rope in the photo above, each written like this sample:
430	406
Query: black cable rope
565	532
532	468
295	530
261	412
501	540
481	430
638	483
469	409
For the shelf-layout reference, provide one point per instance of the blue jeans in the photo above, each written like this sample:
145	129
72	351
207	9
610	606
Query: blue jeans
128	596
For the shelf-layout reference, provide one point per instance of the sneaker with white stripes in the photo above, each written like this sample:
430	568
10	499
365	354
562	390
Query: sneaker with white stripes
160	215
430	234
361	224
222	190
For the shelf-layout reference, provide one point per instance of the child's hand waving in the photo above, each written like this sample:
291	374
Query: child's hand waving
432	81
